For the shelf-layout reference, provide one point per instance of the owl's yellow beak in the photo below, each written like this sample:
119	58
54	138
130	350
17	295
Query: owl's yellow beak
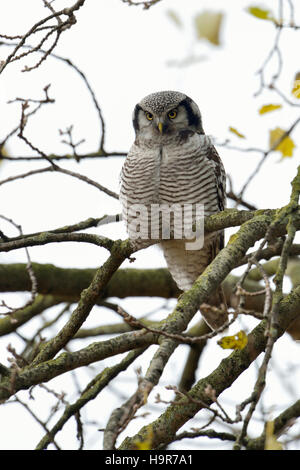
160	126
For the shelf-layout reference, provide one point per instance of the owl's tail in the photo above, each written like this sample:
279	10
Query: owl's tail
216	315
186	266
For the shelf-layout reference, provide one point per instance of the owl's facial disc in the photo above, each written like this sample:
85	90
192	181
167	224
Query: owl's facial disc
166	114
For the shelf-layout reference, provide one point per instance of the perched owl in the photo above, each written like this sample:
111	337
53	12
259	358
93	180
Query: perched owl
172	163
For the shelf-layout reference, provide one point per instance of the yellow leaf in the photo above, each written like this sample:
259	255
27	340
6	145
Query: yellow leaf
285	146
208	26
236	132
271	442
260	13
237	341
296	86
3	153
175	18
146	444
267	108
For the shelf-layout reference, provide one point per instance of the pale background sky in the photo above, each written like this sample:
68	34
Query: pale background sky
126	53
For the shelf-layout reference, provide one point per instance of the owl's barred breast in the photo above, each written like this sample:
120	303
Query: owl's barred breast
165	174
156	173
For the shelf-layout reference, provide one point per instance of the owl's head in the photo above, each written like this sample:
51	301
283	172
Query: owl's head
166	113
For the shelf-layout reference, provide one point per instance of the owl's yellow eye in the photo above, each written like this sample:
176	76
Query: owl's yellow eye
172	114
149	116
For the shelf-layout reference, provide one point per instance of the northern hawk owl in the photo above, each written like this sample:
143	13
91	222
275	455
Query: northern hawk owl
172	162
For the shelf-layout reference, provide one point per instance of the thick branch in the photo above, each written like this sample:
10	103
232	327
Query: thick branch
67	361
280	423
48	237
230	368
69	283
40	304
177	322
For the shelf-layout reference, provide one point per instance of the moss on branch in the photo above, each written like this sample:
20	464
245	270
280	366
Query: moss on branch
40	304
68	283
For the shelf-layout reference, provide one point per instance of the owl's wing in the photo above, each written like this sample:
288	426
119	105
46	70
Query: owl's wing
220	176
218	298
187	265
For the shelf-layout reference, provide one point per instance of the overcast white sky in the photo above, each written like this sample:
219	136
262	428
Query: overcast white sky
126	53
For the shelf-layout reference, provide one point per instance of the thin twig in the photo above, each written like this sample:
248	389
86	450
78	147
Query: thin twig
29	268
58	29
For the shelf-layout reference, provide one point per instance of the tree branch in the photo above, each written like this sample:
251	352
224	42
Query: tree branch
91	391
230	368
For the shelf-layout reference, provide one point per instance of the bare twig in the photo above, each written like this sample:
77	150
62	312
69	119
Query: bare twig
145	4
101	151
47	237
266	153
37	419
62	170
91	391
83	225
69	133
181	338
29	269
210	433
272	318
58	29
